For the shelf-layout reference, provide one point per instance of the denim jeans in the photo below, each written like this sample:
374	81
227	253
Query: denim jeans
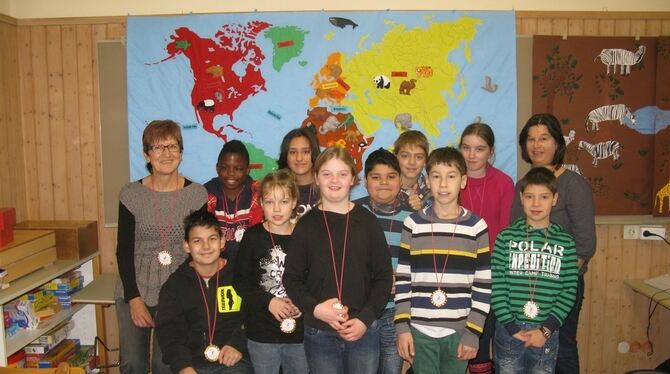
134	344
243	366
267	358
511	357
390	361
436	355
568	356
327	353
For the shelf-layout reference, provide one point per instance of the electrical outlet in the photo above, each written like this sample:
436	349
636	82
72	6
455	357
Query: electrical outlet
631	231
658	230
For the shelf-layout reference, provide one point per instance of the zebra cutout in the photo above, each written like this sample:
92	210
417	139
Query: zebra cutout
570	138
607	113
601	151
573	168
622	57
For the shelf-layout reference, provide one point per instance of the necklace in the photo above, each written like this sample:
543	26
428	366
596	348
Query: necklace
531	309
439	298
211	351
339	281
164	256
288	324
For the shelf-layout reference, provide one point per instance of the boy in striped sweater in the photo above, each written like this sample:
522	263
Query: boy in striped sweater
534	270
443	276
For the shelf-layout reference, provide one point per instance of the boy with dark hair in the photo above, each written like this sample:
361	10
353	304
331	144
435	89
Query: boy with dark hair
443	275
233	195
382	181
200	316
534	270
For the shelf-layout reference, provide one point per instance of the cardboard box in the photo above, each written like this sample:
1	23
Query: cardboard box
74	239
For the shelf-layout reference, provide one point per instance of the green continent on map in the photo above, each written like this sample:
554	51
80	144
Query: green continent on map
406	50
287	43
257	157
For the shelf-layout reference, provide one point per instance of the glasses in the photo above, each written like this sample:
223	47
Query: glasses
160	148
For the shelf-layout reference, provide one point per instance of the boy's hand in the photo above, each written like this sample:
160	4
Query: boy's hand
188	370
332	316
466	352
405	344
352	330
139	313
521	335
280	308
414	199
535	338
229	356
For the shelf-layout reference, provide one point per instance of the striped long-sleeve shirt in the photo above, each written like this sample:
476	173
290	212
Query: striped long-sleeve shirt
543	261
426	242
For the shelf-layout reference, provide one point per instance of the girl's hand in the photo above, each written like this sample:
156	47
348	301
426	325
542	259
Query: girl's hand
139	313
332	316
353	330
280	308
295	311
405	344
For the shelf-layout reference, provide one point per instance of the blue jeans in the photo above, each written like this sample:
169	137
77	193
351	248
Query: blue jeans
511	357
390	361
327	353
243	366
134	344
568	356
267	358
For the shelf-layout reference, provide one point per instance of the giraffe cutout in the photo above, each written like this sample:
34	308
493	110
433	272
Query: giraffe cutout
661	195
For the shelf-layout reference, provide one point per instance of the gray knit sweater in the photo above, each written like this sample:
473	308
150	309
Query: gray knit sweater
150	222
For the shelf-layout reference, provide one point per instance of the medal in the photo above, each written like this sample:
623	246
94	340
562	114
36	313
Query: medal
438	298
287	325
164	258
531	310
239	233
212	353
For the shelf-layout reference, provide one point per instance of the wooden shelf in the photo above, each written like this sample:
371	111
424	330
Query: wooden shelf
660	296
25	337
37	278
99	291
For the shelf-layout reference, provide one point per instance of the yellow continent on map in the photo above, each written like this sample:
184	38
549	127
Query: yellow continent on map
402	50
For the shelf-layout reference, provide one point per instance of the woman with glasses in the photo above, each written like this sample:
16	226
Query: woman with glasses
149	242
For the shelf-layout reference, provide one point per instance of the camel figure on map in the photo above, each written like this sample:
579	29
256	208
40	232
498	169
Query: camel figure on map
407	86
661	196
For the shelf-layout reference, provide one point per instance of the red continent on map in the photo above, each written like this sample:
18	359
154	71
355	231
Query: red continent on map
226	69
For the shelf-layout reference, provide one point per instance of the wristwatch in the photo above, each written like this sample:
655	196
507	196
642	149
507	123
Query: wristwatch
546	332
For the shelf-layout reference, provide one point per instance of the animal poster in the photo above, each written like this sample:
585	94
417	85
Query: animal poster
358	79
604	92
661	182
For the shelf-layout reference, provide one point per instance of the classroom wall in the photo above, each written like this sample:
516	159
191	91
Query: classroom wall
50	160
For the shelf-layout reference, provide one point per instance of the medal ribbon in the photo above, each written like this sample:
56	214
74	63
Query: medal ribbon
338	281
481	198
533	286
237	201
210	326
432	237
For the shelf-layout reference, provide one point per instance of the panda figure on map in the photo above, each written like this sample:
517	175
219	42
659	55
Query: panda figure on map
382	81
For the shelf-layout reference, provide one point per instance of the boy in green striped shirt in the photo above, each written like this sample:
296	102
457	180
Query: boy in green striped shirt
534	281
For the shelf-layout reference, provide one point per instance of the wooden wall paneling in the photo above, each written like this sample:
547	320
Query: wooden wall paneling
527	26
591	355
87	120
544	26
638	27
653	27
591	27
116	31
71	116
606	27
612	309
559	26
622	27
57	121
665	27
42	130
575	27
28	124
12	193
